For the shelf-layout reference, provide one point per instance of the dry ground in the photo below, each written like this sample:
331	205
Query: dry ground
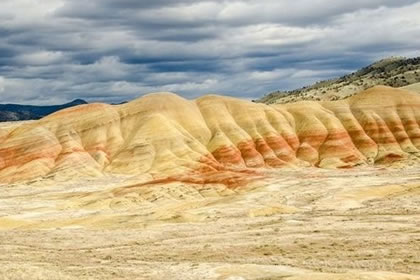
296	224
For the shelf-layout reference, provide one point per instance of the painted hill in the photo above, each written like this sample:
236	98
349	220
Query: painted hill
394	72
213	138
16	112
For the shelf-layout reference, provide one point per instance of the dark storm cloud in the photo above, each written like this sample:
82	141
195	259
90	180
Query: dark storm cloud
53	51
219	12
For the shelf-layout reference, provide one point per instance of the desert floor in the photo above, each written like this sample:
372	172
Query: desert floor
295	224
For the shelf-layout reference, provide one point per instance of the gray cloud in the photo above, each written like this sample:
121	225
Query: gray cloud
52	51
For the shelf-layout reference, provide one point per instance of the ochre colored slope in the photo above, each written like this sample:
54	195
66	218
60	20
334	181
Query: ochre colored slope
212	138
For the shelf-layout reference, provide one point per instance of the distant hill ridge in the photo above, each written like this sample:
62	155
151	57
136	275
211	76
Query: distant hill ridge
394	72
16	112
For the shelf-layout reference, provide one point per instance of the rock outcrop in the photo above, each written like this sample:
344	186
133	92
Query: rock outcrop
213	138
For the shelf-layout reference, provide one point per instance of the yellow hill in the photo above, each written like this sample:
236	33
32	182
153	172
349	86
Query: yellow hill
171	138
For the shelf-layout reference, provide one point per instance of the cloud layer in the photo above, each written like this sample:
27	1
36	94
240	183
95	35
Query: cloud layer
53	51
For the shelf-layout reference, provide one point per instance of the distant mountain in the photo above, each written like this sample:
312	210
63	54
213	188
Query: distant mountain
394	71
16	112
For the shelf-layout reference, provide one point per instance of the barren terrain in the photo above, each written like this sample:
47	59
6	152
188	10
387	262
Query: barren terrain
295	224
214	188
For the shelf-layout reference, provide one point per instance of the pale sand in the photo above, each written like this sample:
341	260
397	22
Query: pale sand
296	224
414	87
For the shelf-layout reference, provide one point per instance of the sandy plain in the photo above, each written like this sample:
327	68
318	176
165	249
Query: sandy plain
361	223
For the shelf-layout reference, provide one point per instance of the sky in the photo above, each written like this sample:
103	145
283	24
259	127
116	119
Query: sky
54	51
